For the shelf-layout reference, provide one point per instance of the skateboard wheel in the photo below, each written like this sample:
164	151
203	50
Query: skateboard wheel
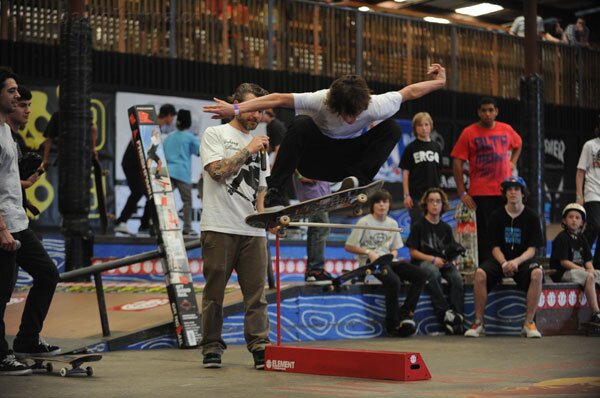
89	371
384	272
284	220
362	198
368	272
357	211
64	371
49	367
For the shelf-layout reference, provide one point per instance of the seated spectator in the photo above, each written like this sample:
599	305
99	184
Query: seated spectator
572	257
515	234
429	237
578	34
372	244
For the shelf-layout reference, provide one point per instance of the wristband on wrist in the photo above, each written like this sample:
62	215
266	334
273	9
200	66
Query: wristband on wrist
236	109
433	260
504	263
407	195
463	193
579	196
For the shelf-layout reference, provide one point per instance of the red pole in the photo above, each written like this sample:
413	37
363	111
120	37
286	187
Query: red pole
278	290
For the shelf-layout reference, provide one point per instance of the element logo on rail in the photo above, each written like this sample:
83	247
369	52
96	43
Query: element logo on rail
277	364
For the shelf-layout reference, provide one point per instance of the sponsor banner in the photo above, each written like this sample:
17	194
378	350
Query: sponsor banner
43	194
141	305
200	122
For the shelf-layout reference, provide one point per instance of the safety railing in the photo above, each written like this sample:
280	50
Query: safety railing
314	38
96	272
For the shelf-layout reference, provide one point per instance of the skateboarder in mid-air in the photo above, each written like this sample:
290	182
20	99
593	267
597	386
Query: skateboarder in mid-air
339	133
370	245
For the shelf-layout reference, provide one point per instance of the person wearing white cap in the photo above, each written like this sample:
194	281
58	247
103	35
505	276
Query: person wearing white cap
572	257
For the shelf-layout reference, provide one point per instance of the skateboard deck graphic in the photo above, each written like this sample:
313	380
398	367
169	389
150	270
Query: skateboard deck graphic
178	277
74	361
466	235
372	268
354	197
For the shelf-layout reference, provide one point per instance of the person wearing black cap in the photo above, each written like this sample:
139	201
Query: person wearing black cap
587	183
572	257
179	148
515	234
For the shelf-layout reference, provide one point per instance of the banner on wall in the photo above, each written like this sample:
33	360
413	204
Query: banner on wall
200	122
43	194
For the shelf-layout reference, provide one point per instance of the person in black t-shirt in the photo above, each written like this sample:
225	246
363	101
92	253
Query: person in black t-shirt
429	237
420	164
572	257
515	234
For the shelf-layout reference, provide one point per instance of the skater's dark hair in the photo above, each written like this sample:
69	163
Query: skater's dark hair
24	93
5	74
378	196
349	95
423	201
184	119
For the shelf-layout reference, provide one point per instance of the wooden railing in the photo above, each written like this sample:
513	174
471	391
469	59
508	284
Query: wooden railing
316	39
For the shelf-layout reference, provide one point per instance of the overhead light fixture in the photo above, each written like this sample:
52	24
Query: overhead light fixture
479	9
364	9
436	20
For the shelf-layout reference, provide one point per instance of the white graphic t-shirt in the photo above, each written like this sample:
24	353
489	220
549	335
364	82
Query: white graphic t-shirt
589	161
381	107
382	242
226	204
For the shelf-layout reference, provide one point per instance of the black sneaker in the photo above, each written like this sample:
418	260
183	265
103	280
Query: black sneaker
349	183
453	322
41	349
212	360
318	276
595	319
407	328
10	366
259	359
275	200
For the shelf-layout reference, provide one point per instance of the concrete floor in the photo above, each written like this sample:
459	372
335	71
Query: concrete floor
560	366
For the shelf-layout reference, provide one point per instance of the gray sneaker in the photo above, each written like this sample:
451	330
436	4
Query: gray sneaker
121	228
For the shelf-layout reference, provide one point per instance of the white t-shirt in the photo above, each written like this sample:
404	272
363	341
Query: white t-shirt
226	204
11	196
381	107
589	161
382	242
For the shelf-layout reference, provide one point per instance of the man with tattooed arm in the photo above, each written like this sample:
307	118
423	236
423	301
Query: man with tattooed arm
234	187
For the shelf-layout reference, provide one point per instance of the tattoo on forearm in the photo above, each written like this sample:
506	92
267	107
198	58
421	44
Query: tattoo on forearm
224	168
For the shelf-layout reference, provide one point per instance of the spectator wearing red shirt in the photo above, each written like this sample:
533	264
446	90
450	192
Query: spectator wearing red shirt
491	149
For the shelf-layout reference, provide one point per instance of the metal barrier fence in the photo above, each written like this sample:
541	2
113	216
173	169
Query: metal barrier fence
313	38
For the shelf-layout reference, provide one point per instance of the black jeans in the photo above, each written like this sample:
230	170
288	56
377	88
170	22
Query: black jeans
34	259
592	229
135	182
486	205
317	156
392	281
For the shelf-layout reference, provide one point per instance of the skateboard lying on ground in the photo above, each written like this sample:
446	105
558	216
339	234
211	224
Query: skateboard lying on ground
353	197
75	361
373	268
466	235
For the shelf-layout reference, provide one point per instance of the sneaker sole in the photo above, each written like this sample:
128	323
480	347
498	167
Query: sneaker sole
37	354
259	367
24	372
327	282
212	365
